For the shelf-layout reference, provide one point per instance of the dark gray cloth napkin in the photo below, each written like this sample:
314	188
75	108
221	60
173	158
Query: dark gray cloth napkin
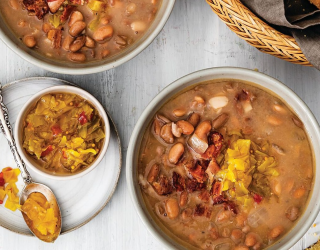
298	18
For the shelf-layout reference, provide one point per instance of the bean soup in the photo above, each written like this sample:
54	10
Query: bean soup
226	165
79	30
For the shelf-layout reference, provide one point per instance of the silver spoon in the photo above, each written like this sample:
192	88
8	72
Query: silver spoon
30	186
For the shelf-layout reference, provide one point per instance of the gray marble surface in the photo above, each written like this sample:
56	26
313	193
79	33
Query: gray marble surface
193	39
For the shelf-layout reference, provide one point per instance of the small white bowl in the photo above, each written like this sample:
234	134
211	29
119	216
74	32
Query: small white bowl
18	131
260	80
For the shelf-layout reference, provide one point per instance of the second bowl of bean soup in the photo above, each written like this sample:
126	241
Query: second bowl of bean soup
81	36
225	159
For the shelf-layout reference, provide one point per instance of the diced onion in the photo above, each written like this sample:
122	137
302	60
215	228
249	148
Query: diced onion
198	145
218	102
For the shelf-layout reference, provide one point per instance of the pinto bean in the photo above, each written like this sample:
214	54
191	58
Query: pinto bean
75	17
246	229
76	57
153	173
176	153
77	28
186	127
220	121
176	131
292	213
90	43
236	234
279	109
250	240
273	120
240	219
257	246
203	129
163	118
186	214
157	126
275	232
166	133
299	192
199	99
194	119
172	208
179	112
77	44
67	42
183	198
105	53
103	33
138	26
131	8
104	20
46	27
297	122
29	41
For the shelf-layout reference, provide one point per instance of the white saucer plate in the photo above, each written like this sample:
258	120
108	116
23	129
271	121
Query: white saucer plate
80	199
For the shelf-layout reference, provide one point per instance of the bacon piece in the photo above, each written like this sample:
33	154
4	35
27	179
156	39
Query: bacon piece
230	205
227	205
216	188
66	13
192	185
213	168
219	200
178	182
38	8
209	153
54	5
186	163
55	35
198	172
202	210
162	187
204	196
215	141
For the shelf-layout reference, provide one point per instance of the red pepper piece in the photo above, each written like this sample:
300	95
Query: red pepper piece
64	154
257	198
56	130
82	118
2	182
47	151
1	201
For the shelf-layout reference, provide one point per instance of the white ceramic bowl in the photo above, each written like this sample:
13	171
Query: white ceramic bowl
263	81
18	131
63	67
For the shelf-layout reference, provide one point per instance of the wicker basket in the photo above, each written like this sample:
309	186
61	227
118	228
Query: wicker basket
256	32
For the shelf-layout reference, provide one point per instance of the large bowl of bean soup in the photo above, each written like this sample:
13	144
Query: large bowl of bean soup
81	36
225	158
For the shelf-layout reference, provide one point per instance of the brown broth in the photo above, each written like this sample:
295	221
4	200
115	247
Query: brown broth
269	120
116	13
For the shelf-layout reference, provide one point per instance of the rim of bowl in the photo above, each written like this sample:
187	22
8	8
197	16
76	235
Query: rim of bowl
91	69
62	89
225	73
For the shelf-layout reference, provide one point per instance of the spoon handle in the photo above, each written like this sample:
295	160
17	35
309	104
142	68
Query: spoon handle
6	129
